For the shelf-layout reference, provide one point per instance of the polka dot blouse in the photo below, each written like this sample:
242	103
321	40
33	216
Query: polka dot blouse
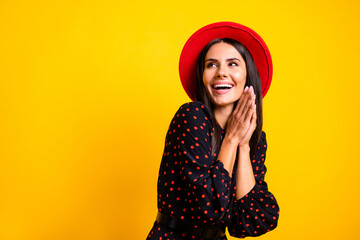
194	186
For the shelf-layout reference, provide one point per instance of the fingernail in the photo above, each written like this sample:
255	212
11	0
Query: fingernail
246	88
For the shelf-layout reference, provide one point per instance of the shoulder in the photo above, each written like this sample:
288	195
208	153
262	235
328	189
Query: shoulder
193	118
194	111
194	106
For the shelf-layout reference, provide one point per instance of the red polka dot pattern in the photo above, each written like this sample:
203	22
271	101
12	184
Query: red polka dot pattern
194	186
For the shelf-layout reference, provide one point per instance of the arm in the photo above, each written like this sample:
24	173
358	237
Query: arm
257	212
245	179
205	182
239	128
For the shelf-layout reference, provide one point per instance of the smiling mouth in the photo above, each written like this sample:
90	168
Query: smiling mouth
222	86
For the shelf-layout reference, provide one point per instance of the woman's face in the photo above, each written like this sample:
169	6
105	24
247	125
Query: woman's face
224	74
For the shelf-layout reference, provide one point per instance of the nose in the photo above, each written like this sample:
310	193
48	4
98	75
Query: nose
221	73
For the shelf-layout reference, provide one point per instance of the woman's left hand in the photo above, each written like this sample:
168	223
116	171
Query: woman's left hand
252	127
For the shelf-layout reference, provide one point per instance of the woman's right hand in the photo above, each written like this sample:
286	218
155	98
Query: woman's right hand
239	121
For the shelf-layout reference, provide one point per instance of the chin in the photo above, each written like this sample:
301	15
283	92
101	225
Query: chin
223	103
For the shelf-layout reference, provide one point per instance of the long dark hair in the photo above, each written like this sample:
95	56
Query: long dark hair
252	79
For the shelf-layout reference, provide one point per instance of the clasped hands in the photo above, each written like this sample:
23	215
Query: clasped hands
242	122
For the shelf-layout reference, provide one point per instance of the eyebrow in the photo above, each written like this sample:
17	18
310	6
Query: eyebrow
215	60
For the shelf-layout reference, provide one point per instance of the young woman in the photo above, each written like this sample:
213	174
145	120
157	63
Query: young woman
212	171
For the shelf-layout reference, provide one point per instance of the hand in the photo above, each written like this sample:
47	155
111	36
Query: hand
242	120
252	127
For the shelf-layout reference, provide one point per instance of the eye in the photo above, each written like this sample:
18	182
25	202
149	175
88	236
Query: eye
233	64
211	64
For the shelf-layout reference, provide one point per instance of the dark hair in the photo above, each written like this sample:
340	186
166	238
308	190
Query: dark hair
252	79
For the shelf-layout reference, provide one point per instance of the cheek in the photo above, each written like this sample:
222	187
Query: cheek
240	80
240	76
206	77
239	92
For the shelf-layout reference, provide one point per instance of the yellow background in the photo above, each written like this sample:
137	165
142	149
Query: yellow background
88	89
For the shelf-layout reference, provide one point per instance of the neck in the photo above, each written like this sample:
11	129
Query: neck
222	114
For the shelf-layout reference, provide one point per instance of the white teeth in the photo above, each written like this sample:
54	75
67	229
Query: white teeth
222	85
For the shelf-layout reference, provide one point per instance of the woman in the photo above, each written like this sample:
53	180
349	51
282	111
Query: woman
212	171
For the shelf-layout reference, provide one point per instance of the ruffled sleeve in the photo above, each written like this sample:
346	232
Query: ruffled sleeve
207	183
257	212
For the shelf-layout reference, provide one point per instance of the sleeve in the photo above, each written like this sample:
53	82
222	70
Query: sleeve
257	212
207	183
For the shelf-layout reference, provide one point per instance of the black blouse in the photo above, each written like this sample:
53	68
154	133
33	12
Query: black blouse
195	187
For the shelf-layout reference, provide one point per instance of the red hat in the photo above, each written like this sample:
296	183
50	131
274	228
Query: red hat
250	39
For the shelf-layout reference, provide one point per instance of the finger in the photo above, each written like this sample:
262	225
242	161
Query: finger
245	100
254	117
250	112
249	104
241	99
250	129
252	125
